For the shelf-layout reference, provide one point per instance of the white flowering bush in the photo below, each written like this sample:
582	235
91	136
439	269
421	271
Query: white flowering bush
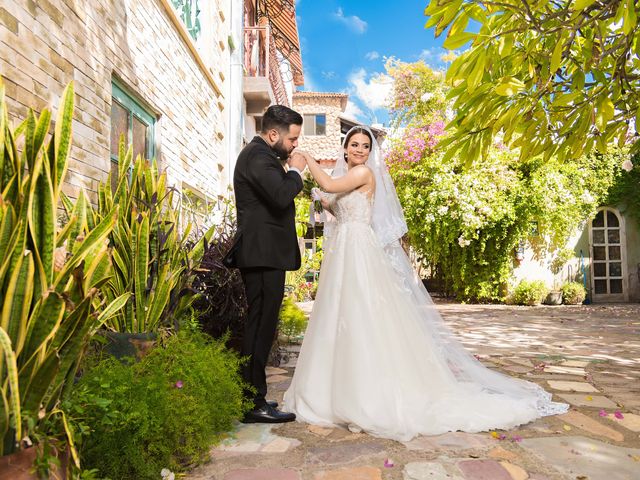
466	220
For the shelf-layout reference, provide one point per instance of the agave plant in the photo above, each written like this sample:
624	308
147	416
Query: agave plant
151	257
50	274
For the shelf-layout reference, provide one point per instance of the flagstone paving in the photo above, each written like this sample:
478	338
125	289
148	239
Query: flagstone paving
586	355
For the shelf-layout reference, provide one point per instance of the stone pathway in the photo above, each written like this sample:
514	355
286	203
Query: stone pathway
588	356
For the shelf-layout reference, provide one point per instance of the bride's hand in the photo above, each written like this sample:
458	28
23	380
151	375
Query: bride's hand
316	193
307	156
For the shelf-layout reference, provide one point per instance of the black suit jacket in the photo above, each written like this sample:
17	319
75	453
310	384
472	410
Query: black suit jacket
264	193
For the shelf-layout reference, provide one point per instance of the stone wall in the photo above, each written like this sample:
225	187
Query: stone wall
45	44
323	147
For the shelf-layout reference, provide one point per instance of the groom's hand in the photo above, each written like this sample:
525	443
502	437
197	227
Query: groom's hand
297	160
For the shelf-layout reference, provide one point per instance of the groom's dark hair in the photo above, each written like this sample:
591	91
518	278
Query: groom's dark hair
280	118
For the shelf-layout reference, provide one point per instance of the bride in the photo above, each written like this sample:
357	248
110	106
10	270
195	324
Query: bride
377	356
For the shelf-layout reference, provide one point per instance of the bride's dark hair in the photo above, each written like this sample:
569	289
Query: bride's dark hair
351	133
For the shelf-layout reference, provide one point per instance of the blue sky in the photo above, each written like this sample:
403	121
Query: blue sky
345	43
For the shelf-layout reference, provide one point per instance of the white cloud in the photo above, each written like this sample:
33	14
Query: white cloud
309	82
434	57
374	90
432	53
353	111
354	22
372	55
330	75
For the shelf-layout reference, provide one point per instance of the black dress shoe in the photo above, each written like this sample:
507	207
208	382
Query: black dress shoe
267	414
272	403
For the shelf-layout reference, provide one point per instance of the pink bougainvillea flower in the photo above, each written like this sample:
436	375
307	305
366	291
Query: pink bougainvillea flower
603	413
516	438
388	463
618	414
179	384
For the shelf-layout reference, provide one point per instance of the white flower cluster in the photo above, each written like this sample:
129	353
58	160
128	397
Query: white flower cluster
463	242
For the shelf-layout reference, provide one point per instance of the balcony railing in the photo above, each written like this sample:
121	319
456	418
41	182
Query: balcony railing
256	51
189	12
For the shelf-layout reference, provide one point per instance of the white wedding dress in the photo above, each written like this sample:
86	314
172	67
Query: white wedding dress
377	356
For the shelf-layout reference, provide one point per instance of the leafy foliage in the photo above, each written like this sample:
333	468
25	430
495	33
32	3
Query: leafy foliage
150	255
465	222
624	191
221	303
573	293
134	419
50	276
293	321
552	78
529	292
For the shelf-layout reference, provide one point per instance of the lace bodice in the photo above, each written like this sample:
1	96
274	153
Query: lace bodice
354	206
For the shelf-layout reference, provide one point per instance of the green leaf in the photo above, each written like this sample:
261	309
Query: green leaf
435	6
62	137
565	99
577	83
582	4
97	235
505	45
459	24
556	56
604	112
476	74
113	308
449	14
12	379
457	41
433	20
141	269
629	19
509	86
43	324
18	297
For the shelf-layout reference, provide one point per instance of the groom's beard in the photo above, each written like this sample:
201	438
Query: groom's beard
281	151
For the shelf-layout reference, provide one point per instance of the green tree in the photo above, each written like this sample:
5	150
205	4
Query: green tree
558	78
464	223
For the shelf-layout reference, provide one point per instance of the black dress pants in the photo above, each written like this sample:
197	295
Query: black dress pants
265	289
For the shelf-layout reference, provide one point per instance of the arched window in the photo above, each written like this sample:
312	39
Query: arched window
608	256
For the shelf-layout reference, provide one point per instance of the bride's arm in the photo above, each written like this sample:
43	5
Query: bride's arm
356	177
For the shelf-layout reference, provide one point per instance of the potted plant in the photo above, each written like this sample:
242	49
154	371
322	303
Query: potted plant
152	258
529	292
573	293
554	297
50	279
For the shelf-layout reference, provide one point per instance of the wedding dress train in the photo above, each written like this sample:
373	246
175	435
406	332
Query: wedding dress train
377	355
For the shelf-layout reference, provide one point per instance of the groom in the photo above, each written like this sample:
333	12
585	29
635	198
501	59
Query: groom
266	244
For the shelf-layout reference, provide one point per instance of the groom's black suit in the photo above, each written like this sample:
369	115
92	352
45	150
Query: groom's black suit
265	247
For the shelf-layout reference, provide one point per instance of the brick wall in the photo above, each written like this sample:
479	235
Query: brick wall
44	44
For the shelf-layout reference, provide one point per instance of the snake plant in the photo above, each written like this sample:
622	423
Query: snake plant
50	273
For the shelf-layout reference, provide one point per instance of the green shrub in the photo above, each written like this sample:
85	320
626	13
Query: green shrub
293	321
529	292
573	293
166	411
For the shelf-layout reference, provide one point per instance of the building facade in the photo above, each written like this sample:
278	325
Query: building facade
154	72
606	259
272	60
